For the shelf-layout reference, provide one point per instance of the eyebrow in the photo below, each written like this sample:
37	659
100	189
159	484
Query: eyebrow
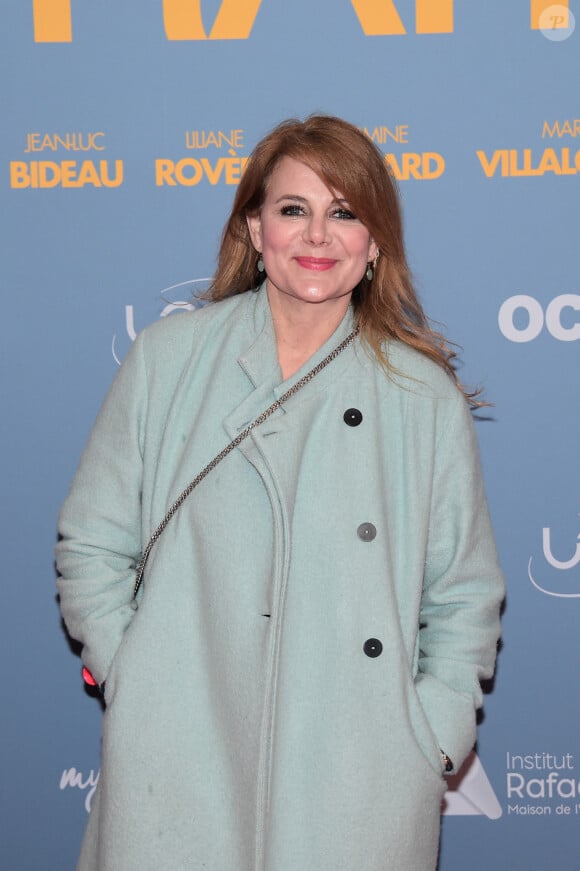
339	201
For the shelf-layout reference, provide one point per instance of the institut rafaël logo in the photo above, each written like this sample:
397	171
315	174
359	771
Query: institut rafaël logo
542	784
557	571
185	296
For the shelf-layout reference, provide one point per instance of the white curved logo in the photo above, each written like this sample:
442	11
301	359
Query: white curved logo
559	318
556	563
85	783
193	288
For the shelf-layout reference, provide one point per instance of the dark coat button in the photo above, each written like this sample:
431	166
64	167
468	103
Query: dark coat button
373	647
366	532
352	417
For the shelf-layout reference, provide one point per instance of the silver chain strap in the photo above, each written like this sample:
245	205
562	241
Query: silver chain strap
229	448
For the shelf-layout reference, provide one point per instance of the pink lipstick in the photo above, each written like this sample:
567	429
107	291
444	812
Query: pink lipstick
318	264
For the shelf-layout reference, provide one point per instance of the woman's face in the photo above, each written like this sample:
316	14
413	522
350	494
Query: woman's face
314	248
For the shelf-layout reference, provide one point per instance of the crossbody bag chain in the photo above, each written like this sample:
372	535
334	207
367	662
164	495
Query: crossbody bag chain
229	448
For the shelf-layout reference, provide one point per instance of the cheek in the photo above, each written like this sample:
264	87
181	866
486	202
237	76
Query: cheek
361	247
275	239
355	238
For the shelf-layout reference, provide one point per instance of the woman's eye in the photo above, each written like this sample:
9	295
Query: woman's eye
295	210
292	210
344	214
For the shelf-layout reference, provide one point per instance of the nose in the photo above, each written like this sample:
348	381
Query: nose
317	230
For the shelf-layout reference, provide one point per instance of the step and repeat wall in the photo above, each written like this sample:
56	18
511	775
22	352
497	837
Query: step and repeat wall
125	130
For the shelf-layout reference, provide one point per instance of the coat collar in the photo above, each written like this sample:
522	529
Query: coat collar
260	364
260	361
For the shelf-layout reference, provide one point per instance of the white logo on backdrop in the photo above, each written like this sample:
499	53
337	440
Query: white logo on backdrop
173	297
559	318
470	793
557	22
563	565
71	778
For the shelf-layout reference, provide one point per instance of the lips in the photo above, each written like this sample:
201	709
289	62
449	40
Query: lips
317	264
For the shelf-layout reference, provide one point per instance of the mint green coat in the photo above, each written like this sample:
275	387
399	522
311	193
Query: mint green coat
246	727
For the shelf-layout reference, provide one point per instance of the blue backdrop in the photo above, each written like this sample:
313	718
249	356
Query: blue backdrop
125	127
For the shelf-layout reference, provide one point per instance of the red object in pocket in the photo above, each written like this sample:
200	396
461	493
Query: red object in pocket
88	678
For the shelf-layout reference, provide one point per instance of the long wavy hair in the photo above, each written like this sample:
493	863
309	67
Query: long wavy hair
348	162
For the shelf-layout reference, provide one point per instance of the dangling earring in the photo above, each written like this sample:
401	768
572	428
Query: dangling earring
260	264
371	267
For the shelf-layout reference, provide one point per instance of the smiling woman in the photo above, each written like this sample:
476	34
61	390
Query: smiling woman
314	251
302	664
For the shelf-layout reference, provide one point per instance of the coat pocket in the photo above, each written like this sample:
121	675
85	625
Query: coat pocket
110	683
425	738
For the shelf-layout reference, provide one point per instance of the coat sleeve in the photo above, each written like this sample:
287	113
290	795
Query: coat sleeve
462	594
100	522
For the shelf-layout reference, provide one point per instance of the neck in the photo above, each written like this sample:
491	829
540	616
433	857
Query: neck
302	328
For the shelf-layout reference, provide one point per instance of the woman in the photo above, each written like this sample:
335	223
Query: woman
302	663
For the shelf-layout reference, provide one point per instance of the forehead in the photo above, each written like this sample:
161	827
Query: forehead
292	177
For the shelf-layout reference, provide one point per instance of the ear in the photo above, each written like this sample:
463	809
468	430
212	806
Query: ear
373	250
255	228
